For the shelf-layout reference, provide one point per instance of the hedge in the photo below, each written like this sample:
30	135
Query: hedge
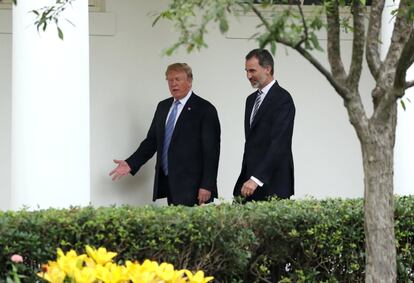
288	241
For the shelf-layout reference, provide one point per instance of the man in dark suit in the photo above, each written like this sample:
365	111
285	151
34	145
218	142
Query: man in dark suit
185	133
267	167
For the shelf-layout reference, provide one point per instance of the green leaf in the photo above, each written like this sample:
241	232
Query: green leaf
315	42
60	33
156	20
402	104
273	47
224	25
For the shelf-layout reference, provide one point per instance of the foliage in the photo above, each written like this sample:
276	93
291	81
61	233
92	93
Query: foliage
50	14
98	266
286	24
299	241
194	239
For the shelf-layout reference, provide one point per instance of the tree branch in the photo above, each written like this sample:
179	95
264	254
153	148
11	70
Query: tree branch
340	89
401	37
334	47
405	61
305	26
373	38
409	84
358	11
260	16
394	68
386	92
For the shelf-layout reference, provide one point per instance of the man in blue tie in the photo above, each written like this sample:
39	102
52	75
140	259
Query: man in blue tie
267	166
185	134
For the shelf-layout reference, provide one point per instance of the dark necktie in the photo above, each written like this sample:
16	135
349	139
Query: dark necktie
256	105
169	128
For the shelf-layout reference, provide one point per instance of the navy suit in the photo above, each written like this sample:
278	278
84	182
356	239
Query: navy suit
193	153
268	145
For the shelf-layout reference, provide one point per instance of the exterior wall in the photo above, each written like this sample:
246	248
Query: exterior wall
127	81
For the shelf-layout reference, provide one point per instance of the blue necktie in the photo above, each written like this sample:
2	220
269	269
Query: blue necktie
256	105
169	128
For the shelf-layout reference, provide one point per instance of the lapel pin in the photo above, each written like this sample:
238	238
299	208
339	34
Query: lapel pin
188	108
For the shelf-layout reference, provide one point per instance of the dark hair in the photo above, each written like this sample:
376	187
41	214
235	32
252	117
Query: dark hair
264	57
180	67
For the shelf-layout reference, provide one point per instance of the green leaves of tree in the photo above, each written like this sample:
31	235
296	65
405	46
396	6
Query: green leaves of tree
285	24
191	19
51	14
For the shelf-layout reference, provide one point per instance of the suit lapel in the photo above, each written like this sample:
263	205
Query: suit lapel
249	109
262	109
164	109
265	105
184	115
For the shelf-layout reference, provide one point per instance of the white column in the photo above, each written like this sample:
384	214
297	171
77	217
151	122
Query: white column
404	151
50	109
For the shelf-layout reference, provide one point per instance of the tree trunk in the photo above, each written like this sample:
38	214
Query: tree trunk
378	161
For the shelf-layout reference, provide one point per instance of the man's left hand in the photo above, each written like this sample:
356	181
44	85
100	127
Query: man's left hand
203	195
248	188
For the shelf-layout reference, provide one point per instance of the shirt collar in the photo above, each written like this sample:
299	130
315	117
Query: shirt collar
266	89
184	100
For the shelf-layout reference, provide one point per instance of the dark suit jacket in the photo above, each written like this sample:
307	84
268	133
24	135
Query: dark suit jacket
193	154
267	150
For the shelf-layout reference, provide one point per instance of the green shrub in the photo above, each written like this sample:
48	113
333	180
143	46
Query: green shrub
296	241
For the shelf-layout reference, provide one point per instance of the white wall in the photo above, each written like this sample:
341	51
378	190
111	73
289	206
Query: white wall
127	81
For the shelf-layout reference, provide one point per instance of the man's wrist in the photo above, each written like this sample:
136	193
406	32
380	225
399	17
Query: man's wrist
257	181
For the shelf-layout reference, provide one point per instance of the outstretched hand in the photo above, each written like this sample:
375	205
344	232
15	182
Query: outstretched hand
121	170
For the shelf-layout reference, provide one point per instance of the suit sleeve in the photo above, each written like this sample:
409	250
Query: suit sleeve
281	138
146	149
210	139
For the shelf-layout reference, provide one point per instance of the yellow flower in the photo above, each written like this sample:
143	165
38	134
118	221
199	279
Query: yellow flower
139	274
85	275
98	267
70	261
53	273
111	273
90	262
167	273
149	265
100	256
198	277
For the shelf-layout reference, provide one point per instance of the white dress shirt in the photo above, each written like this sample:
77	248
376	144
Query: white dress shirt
180	106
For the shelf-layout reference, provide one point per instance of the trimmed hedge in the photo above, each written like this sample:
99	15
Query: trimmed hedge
296	241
